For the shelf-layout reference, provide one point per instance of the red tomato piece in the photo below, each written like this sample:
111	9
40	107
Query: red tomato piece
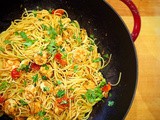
35	67
58	12
15	73
63	102
106	88
58	56
2	99
63	62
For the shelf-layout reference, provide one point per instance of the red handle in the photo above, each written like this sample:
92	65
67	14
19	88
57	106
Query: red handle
137	18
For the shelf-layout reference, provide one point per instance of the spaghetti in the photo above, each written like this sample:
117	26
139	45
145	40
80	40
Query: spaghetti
49	68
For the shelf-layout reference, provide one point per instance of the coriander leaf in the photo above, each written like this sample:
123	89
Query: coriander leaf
41	113
46	88
110	103
52	47
3	85
23	35
106	56
7	41
90	48
102	83
59	82
44	77
24	67
25	83
34	12
45	118
96	60
60	93
94	95
35	78
50	11
91	36
52	32
1	49
44	27
46	67
16	33
75	69
23	103
29	42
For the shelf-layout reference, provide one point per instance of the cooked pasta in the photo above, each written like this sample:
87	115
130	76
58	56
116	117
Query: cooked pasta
50	68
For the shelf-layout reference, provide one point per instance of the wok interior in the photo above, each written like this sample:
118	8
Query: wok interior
100	19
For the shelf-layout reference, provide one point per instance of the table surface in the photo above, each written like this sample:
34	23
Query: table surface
146	104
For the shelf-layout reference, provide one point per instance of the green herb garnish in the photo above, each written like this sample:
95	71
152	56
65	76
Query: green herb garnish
35	78
60	93
23	103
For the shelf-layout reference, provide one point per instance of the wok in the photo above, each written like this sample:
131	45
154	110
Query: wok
100	19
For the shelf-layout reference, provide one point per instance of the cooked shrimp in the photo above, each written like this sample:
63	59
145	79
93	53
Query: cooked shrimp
11	64
9	107
46	87
35	107
46	71
42	58
80	55
30	92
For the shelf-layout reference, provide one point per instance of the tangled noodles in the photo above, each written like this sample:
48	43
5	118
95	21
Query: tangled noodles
49	68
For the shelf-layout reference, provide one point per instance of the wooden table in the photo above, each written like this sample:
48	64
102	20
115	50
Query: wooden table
146	104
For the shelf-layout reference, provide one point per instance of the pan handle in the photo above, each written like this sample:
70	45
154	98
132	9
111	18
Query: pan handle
137	18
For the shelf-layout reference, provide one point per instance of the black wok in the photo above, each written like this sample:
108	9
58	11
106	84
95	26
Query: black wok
112	37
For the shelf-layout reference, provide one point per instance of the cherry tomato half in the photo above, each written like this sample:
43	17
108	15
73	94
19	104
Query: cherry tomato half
15	73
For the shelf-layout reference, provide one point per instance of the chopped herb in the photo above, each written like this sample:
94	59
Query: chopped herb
34	12
46	88
52	47
35	78
23	35
79	39
83	96
44	27
62	28
16	33
59	82
41	113
7	41
3	85
60	93
75	68
21	91
24	67
52	32
64	55
96	60
46	67
44	77
94	95
102	83
92	36
106	56
45	118
71	89
110	95
50	11
25	83
90	48
1	49
23	103
110	103
29	42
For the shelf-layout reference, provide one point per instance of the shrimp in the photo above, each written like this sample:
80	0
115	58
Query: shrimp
9	107
80	55
35	107
46	71
42	58
10	64
46	87
30	92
